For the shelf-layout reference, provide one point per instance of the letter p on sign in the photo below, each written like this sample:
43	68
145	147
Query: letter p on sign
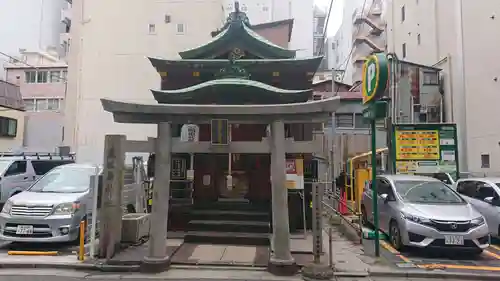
371	72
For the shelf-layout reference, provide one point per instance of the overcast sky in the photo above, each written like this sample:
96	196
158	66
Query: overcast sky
336	15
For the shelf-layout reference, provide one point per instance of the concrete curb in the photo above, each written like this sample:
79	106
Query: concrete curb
479	276
75	266
422	274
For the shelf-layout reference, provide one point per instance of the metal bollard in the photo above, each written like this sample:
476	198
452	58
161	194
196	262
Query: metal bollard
81	251
330	246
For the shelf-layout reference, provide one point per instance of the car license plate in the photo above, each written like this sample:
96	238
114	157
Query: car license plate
453	240
24	229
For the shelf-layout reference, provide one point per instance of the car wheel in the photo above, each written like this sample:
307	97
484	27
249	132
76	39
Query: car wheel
395	236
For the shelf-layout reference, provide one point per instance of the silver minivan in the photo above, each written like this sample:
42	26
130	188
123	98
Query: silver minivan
52	208
17	173
424	212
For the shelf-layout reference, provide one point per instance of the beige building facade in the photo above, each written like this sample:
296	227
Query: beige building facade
107	60
12	117
461	38
41	78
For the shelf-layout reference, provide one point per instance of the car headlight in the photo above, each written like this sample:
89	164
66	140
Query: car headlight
6	207
66	208
415	219
477	221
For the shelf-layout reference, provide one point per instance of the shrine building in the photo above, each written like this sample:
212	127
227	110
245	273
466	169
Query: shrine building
243	173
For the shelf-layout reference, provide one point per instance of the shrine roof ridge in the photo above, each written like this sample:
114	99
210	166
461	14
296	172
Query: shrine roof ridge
232	82
319	106
157	60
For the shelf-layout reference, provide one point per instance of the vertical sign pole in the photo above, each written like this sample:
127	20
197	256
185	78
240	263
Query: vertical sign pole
376	73
317	227
374	184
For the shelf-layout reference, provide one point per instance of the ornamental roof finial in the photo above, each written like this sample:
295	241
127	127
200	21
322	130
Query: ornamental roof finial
237	6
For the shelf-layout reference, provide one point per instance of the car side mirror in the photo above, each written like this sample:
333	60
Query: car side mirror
493	201
489	200
384	197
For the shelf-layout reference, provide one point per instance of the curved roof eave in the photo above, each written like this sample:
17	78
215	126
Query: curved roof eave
233	82
320	106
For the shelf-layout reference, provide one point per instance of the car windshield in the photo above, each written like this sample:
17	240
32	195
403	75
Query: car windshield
65	179
4	165
430	192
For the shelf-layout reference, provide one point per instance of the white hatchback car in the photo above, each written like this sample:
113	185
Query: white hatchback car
484	195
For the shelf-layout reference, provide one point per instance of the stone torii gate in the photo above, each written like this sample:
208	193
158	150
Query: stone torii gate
166	115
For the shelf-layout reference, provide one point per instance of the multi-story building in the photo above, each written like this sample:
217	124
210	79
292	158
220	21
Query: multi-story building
341	44
37	29
368	35
64	39
11	118
318	30
41	77
361	33
451	35
108	49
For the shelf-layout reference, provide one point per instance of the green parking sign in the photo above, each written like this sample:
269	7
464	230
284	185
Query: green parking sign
375	77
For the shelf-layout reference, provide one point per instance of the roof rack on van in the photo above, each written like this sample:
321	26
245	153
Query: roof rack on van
39	155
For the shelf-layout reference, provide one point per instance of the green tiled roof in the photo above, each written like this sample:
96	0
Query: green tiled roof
237	33
229	90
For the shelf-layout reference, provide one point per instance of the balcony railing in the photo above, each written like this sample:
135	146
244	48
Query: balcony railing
63	37
66	16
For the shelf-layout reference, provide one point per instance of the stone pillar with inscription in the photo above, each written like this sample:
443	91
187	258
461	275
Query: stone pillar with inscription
111	204
157	259
281	261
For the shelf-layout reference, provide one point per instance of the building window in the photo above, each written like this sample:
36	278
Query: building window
403	50
55	76
8	127
30	76
265	8
431	78
485	160
152	28
64	75
418	39
42	77
53	104
180	28
167	19
43	104
403	14
360	122
29	104
344	120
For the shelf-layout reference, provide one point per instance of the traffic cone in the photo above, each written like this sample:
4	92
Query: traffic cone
343	202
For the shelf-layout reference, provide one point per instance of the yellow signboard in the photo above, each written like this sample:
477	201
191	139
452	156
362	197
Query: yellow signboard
417	145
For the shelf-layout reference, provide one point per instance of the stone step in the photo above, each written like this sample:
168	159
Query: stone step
229	226
230	215
227	238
